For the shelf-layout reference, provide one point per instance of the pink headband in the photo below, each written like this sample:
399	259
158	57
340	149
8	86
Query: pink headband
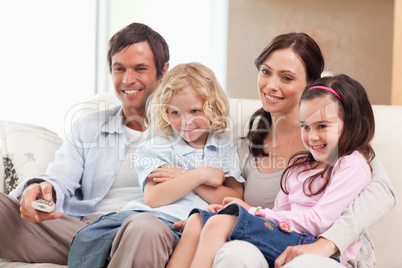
327	89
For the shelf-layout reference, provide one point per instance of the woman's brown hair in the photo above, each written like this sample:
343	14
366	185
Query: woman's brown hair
310	54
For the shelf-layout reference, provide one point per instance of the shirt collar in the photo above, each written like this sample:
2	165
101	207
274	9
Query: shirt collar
180	146
114	122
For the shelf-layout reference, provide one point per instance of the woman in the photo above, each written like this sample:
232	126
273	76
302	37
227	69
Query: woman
286	66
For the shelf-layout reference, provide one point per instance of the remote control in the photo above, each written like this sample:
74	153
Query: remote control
43	205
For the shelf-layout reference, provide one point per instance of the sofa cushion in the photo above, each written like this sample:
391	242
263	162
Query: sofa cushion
26	151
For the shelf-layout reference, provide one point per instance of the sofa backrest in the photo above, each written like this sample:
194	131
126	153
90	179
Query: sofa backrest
387	144
31	148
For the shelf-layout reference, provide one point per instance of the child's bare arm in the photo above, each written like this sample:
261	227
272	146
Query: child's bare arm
166	172
165	193
215	195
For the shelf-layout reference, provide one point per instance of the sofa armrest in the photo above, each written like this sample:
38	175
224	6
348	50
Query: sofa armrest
28	149
2	184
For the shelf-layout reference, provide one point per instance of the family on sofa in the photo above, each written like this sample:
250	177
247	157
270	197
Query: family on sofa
93	173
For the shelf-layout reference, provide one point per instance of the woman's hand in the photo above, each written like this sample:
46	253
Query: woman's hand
321	247
166	172
231	200
32	193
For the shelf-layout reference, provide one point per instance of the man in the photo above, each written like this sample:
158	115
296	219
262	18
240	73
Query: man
91	173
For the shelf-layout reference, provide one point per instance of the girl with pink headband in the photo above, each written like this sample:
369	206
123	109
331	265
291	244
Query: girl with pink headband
337	125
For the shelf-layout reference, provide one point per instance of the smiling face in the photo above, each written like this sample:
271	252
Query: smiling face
281	81
321	127
187	117
134	77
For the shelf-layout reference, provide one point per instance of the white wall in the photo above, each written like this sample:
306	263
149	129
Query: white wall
195	30
47	53
53	53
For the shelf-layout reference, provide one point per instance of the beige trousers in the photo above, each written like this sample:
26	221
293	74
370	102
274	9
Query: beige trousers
26	241
142	241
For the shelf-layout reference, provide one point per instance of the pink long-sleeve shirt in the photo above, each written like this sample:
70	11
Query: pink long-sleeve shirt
316	214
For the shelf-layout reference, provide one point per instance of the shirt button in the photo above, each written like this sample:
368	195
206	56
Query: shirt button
112	173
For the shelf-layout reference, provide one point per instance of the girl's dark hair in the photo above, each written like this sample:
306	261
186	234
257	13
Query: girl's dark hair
358	126
136	33
310	54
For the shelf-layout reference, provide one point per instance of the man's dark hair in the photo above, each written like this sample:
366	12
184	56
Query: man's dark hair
136	33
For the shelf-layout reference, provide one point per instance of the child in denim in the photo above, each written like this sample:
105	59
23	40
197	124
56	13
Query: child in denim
337	124
190	163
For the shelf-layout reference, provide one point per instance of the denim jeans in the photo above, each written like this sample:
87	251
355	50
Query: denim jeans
261	232
92	244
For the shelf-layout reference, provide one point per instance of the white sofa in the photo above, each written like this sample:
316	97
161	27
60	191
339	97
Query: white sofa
31	148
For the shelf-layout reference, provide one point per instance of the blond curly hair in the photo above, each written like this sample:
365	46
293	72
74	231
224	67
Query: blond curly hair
203	81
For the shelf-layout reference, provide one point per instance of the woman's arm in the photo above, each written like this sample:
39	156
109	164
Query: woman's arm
322	247
367	209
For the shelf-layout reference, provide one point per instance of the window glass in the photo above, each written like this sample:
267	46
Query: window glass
47	59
